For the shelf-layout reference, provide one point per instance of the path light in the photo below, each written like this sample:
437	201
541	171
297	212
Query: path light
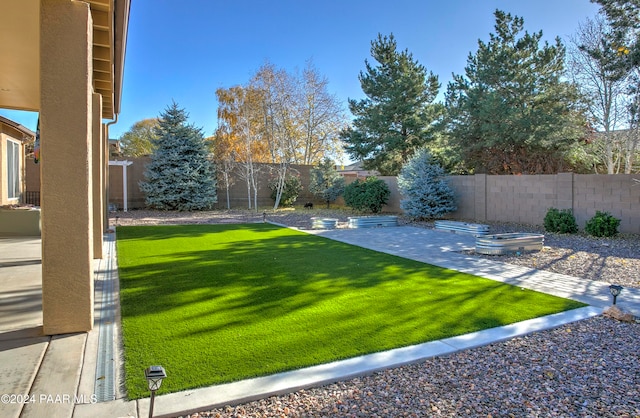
615	291
154	376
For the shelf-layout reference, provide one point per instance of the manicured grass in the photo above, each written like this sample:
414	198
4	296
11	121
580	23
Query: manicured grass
218	303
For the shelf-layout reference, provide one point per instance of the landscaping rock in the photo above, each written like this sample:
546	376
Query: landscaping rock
616	313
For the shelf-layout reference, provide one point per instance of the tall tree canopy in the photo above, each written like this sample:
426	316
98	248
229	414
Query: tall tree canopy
279	118
180	175
292	115
596	68
511	112
139	139
397	115
624	16
322	118
237	143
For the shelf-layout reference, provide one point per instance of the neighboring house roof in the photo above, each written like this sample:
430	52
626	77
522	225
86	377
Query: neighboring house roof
114	147
617	132
358	169
28	134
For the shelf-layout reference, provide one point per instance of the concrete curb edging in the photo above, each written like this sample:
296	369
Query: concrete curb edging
190	401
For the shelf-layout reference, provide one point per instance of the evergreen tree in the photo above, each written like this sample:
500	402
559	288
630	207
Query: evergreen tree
511	113
426	193
624	16
290	189
397	115
180	175
325	182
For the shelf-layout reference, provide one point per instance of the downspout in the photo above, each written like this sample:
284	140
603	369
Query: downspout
105	204
113	122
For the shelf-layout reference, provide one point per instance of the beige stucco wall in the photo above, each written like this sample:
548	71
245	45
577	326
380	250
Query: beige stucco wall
66	125
97	153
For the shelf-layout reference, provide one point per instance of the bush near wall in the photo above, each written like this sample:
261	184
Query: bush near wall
560	221
602	225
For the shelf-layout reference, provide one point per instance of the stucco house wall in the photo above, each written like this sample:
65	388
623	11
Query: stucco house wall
12	133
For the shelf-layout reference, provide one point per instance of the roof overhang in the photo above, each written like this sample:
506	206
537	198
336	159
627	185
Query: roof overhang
25	133
20	53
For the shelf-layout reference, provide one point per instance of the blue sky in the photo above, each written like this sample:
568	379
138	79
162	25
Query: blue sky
184	50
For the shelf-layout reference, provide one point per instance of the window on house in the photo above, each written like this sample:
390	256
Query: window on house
13	169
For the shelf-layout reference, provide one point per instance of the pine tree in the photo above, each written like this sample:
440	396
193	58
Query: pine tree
180	175
512	113
397	116
325	182
624	17
426	193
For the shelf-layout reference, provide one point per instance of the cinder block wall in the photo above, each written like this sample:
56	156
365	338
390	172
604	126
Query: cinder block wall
480	197
519	198
526	199
237	190
135	173
464	189
617	194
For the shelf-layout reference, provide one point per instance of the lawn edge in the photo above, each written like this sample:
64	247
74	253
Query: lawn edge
194	400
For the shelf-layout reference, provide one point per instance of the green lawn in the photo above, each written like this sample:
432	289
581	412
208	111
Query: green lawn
218	303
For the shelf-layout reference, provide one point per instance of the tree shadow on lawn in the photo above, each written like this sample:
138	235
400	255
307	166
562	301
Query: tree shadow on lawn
290	292
263	270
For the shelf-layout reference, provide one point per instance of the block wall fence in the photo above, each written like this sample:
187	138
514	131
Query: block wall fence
526	198
521	199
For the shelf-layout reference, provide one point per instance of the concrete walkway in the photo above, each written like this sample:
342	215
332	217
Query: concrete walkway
64	375
442	249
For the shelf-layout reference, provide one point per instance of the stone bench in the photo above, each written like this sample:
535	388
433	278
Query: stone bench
372	221
500	244
462	227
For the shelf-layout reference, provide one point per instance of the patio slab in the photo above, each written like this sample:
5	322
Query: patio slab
21	355
20	283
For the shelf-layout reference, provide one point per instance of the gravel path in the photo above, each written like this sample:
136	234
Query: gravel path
585	369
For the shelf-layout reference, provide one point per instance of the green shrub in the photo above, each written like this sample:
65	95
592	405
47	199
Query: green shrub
290	192
561	221
325	182
368	195
602	225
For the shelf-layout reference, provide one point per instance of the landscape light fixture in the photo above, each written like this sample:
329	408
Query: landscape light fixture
615	291
154	376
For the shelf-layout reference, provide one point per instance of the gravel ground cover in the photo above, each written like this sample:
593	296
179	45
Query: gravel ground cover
586	369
